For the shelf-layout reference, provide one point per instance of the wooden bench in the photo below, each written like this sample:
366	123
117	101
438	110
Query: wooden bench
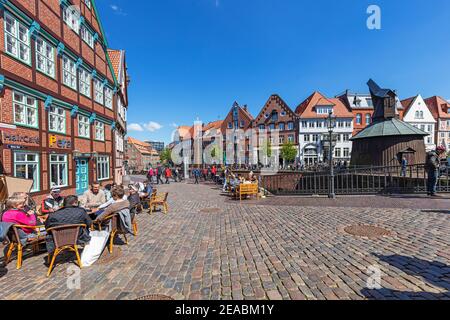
248	190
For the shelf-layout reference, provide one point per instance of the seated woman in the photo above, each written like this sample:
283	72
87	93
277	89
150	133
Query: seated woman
15	213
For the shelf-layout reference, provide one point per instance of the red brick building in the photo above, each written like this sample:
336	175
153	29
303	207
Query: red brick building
235	129
58	89
277	115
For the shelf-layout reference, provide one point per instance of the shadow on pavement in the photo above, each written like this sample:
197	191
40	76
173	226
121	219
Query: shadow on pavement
434	273
437	211
3	271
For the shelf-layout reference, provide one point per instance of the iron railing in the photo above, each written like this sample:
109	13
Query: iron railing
368	180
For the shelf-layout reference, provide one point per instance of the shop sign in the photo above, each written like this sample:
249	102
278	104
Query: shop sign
60	143
18	138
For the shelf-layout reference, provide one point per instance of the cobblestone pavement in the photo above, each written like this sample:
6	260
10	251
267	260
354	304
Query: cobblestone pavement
259	250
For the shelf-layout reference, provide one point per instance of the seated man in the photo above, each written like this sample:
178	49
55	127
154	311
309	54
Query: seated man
53	202
70	214
118	205
94	197
134	199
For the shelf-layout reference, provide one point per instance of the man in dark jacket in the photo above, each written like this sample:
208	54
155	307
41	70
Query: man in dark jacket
159	174
71	213
432	166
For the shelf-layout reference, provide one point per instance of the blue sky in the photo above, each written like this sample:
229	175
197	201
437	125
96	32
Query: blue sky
194	58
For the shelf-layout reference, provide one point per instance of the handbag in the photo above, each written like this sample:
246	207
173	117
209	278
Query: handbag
94	249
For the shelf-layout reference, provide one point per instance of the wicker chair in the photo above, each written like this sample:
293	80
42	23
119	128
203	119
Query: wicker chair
134	211
159	200
65	238
146	202
115	226
14	242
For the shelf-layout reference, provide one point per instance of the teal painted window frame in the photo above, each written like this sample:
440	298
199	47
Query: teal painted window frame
85	82
86	124
46	59
16	36
26	107
103	160
109	97
37	183
99	128
69	71
87	36
99	89
58	162
64	117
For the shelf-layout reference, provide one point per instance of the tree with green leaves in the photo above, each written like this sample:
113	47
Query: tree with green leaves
166	155
288	152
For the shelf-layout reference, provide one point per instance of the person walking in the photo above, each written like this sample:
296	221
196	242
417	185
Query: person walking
196	173
150	175
168	175
432	166
159	173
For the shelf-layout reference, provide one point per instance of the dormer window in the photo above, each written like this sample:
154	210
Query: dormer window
324	109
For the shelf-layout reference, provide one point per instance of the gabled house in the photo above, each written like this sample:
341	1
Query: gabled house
440	109
235	129
417	114
277	115
313	130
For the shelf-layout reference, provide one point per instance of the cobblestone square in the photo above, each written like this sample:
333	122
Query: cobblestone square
210	247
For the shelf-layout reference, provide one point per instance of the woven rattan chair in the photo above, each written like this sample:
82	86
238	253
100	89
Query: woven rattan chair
65	238
134	211
159	200
15	243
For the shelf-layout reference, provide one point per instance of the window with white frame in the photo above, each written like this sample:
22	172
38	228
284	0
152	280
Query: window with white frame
337	152
17	39
87	36
25	110
291	138
306	138
26	166
102	168
57	119
108	97
58	171
83	126
290	126
99	131
71	16
85	82
45	57
69	73
98	91
324	109
346	152
87	3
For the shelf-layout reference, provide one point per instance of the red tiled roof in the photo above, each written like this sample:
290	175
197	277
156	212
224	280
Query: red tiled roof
307	108
213	125
142	147
438	107
407	103
115	56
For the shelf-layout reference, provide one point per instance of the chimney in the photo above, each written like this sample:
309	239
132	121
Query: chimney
245	107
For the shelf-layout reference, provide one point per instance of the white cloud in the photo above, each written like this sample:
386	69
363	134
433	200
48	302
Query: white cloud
174	125
135	127
118	10
152	126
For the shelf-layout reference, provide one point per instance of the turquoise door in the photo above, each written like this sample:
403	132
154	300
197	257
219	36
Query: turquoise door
82	178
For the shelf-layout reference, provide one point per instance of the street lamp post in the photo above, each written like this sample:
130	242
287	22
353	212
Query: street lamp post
331	122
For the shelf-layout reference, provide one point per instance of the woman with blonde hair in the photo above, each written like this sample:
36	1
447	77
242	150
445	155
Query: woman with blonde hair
15	213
